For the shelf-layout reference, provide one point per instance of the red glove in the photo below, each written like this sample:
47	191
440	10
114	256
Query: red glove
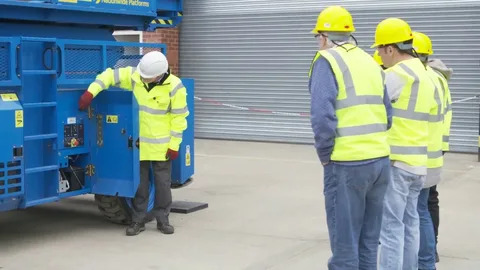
171	154
85	100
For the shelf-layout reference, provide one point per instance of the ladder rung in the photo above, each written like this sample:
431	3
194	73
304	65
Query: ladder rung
40	137
41	169
39	72
39	104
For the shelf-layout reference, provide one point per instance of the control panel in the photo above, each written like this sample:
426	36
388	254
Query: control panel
73	135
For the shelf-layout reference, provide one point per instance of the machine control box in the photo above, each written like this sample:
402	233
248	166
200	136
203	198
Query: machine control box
73	135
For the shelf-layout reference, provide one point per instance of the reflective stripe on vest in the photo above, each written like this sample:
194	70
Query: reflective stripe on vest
361	130
435	154
408	150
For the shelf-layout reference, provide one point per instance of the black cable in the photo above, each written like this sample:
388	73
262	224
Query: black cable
78	180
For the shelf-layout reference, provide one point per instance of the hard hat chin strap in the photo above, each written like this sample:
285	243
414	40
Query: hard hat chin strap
341	45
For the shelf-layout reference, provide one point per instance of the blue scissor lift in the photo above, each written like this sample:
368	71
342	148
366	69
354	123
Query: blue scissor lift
50	51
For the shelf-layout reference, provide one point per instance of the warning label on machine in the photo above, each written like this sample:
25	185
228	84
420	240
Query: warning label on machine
9	97
19	118
112	119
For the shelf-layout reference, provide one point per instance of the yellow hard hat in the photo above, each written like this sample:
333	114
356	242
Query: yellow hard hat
377	58
392	31
422	43
334	19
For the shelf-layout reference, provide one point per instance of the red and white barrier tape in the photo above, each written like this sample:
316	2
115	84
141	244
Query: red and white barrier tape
215	102
218	103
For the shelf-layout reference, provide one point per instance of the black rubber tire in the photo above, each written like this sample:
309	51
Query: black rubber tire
114	209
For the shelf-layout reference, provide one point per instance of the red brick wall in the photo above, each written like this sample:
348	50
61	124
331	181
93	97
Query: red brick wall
170	37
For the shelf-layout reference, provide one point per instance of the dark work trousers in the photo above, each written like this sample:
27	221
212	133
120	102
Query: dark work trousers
434	209
163	194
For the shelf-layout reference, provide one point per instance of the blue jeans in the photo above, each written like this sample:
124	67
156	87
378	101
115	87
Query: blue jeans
426	254
400	235
354	197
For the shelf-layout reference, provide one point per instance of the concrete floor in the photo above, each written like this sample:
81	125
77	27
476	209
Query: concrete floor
266	211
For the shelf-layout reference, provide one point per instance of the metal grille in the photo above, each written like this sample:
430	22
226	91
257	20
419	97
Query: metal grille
83	61
87	61
256	54
122	56
4	61
10	178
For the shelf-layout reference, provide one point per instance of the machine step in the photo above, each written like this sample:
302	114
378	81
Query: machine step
42	201
41	169
41	137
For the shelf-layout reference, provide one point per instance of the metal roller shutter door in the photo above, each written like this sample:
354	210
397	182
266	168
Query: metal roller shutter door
256	55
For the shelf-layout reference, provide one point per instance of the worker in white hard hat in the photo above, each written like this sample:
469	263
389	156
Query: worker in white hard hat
163	109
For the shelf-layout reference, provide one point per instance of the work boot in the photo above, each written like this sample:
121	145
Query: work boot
165	228
135	228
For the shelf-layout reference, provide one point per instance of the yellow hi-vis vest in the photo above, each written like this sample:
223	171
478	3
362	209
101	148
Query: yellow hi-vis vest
447	109
409	135
362	118
162	110
436	126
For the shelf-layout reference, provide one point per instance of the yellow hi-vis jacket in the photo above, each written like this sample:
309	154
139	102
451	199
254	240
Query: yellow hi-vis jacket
162	110
447	109
436	126
361	114
412	111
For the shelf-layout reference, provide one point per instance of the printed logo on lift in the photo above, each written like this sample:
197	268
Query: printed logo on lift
136	3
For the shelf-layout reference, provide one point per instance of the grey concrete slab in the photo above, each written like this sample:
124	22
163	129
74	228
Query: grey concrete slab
266	211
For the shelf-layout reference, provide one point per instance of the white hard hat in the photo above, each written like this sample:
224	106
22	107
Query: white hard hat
152	64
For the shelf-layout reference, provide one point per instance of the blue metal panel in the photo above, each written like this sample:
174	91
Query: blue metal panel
132	14
114	154
11	165
183	168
